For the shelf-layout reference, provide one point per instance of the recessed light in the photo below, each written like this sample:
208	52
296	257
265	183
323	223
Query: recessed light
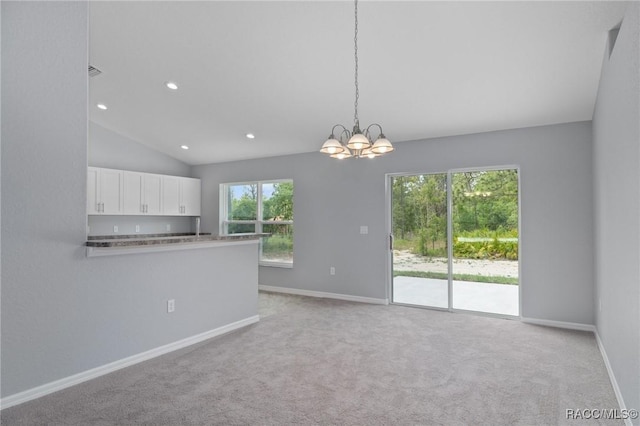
171	85
250	136
102	106
184	147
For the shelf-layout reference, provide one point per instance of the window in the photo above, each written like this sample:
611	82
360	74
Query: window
261	207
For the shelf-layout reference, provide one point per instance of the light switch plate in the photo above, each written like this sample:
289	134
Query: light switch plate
364	229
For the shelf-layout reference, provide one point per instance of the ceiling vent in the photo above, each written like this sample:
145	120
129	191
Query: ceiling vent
93	71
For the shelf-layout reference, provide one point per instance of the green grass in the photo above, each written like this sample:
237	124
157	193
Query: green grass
400	244
458	277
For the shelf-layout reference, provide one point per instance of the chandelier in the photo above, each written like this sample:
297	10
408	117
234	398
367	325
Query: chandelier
356	143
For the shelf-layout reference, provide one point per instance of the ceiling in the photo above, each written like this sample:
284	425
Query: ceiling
285	70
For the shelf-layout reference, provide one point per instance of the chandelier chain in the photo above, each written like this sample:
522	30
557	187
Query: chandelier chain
355	43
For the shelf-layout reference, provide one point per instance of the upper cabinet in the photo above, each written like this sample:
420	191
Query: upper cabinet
181	196
171	195
190	196
105	191
133	193
141	193
152	193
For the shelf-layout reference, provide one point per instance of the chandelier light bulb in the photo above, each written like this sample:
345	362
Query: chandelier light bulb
368	153
382	145
358	141
332	146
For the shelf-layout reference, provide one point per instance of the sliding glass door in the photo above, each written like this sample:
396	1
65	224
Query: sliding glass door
456	240
420	255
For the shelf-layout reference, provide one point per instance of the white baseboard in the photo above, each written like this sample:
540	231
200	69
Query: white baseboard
603	352
323	294
612	377
66	382
560	324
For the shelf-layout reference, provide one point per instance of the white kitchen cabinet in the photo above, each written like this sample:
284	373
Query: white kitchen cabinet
152	193
119	192
104	191
181	196
142	193
133	193
171	196
190	196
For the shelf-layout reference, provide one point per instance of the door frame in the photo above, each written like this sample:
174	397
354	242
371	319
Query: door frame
389	229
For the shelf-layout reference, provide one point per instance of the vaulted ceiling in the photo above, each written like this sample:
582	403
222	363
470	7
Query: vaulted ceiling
284	71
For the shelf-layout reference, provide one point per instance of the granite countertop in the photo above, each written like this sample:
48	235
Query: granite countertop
157	239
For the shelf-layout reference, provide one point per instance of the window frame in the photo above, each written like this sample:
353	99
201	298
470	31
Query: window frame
224	222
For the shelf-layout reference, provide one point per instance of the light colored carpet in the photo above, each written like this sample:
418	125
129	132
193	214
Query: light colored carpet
326	362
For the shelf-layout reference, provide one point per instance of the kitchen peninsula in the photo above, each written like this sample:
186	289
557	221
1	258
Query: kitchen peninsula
128	244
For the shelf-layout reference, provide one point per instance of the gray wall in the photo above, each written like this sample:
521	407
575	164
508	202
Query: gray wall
103	225
64	313
115	151
333	198
616	136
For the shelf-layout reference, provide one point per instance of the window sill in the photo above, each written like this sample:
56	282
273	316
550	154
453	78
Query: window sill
285	265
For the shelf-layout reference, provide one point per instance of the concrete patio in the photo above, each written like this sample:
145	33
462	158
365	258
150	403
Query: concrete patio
471	296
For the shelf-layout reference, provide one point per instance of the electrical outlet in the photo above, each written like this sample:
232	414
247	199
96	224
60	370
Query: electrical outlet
332	270
168	227
171	305
137	228
115	228
364	229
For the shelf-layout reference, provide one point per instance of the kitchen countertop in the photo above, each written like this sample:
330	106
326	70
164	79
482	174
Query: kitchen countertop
143	236
163	239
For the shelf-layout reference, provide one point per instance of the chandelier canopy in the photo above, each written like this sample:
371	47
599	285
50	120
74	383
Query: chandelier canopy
356	143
